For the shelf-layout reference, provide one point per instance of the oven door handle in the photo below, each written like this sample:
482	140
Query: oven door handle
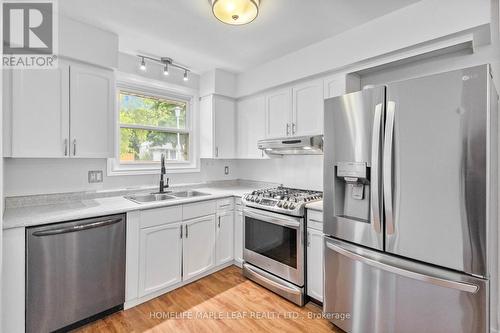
282	222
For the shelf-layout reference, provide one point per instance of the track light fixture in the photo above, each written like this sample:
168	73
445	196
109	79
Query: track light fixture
143	64
166	62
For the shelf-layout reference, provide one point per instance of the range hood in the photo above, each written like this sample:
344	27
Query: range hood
299	145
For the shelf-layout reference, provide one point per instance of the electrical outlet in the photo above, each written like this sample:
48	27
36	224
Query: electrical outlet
226	170
95	176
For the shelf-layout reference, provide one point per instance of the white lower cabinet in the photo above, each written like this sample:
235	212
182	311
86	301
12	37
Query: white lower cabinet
170	246
238	235
198	246
315	264
160	257
224	251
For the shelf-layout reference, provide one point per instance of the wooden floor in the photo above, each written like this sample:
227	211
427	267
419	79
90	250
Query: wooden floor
222	302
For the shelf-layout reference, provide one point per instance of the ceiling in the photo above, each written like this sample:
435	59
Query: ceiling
187	31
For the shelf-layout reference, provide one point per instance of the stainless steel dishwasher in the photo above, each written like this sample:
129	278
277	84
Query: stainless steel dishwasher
75	272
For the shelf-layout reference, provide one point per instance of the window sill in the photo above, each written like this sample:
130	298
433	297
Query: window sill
115	169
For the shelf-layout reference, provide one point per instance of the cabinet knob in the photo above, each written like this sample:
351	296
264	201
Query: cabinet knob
74	147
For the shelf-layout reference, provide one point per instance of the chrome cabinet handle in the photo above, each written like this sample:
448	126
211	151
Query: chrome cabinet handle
74	147
308	239
181	231
287	129
66	147
387	161
216	151
375	172
462	286
64	230
219	222
293	128
186	231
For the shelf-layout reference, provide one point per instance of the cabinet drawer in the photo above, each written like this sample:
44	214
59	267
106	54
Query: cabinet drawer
159	216
198	209
315	219
225	204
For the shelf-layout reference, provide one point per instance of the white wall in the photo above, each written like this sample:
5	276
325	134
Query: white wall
296	171
423	21
38	176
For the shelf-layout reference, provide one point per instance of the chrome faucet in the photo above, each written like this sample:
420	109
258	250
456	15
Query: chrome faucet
163	186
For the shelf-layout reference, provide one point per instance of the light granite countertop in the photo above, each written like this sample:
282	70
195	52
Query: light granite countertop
31	215
317	205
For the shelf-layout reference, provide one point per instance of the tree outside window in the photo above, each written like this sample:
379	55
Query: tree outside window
151	126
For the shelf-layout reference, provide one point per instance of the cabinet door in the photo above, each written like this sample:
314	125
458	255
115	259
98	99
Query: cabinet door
160	257
224	250
92	100
238	236
308	108
224	123
40	112
315	264
278	113
198	246
250	126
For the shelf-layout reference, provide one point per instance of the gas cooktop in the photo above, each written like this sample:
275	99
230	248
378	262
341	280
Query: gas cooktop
281	199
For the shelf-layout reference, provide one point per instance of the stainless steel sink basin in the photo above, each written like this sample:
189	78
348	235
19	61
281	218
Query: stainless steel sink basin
188	194
153	197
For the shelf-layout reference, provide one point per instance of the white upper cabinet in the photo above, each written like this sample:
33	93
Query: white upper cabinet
217	127
338	85
278	113
91	108
54	111
224	250
40	113
250	126
307	108
198	246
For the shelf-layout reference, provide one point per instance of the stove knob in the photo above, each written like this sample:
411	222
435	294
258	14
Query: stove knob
258	200
280	203
251	198
292	206
285	205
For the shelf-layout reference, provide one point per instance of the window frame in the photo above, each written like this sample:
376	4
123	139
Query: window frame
133	84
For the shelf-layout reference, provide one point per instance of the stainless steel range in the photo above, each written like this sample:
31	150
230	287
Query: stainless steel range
274	234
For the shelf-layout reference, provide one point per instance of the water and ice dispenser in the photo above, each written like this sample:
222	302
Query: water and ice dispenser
352	189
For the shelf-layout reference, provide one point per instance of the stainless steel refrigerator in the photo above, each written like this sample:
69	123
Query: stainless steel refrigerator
410	205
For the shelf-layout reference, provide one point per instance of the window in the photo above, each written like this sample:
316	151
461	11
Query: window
151	126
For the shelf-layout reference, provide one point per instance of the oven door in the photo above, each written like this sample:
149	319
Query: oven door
275	243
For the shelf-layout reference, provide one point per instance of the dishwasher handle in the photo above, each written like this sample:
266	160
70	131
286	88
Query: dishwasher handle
80	227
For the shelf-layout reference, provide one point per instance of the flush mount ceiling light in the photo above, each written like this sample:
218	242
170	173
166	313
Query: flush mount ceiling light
235	12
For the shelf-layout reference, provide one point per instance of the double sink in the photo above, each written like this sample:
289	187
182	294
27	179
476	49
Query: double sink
154	197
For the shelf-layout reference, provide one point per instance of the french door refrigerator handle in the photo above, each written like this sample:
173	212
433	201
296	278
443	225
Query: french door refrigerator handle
375	164
387	166
462	286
